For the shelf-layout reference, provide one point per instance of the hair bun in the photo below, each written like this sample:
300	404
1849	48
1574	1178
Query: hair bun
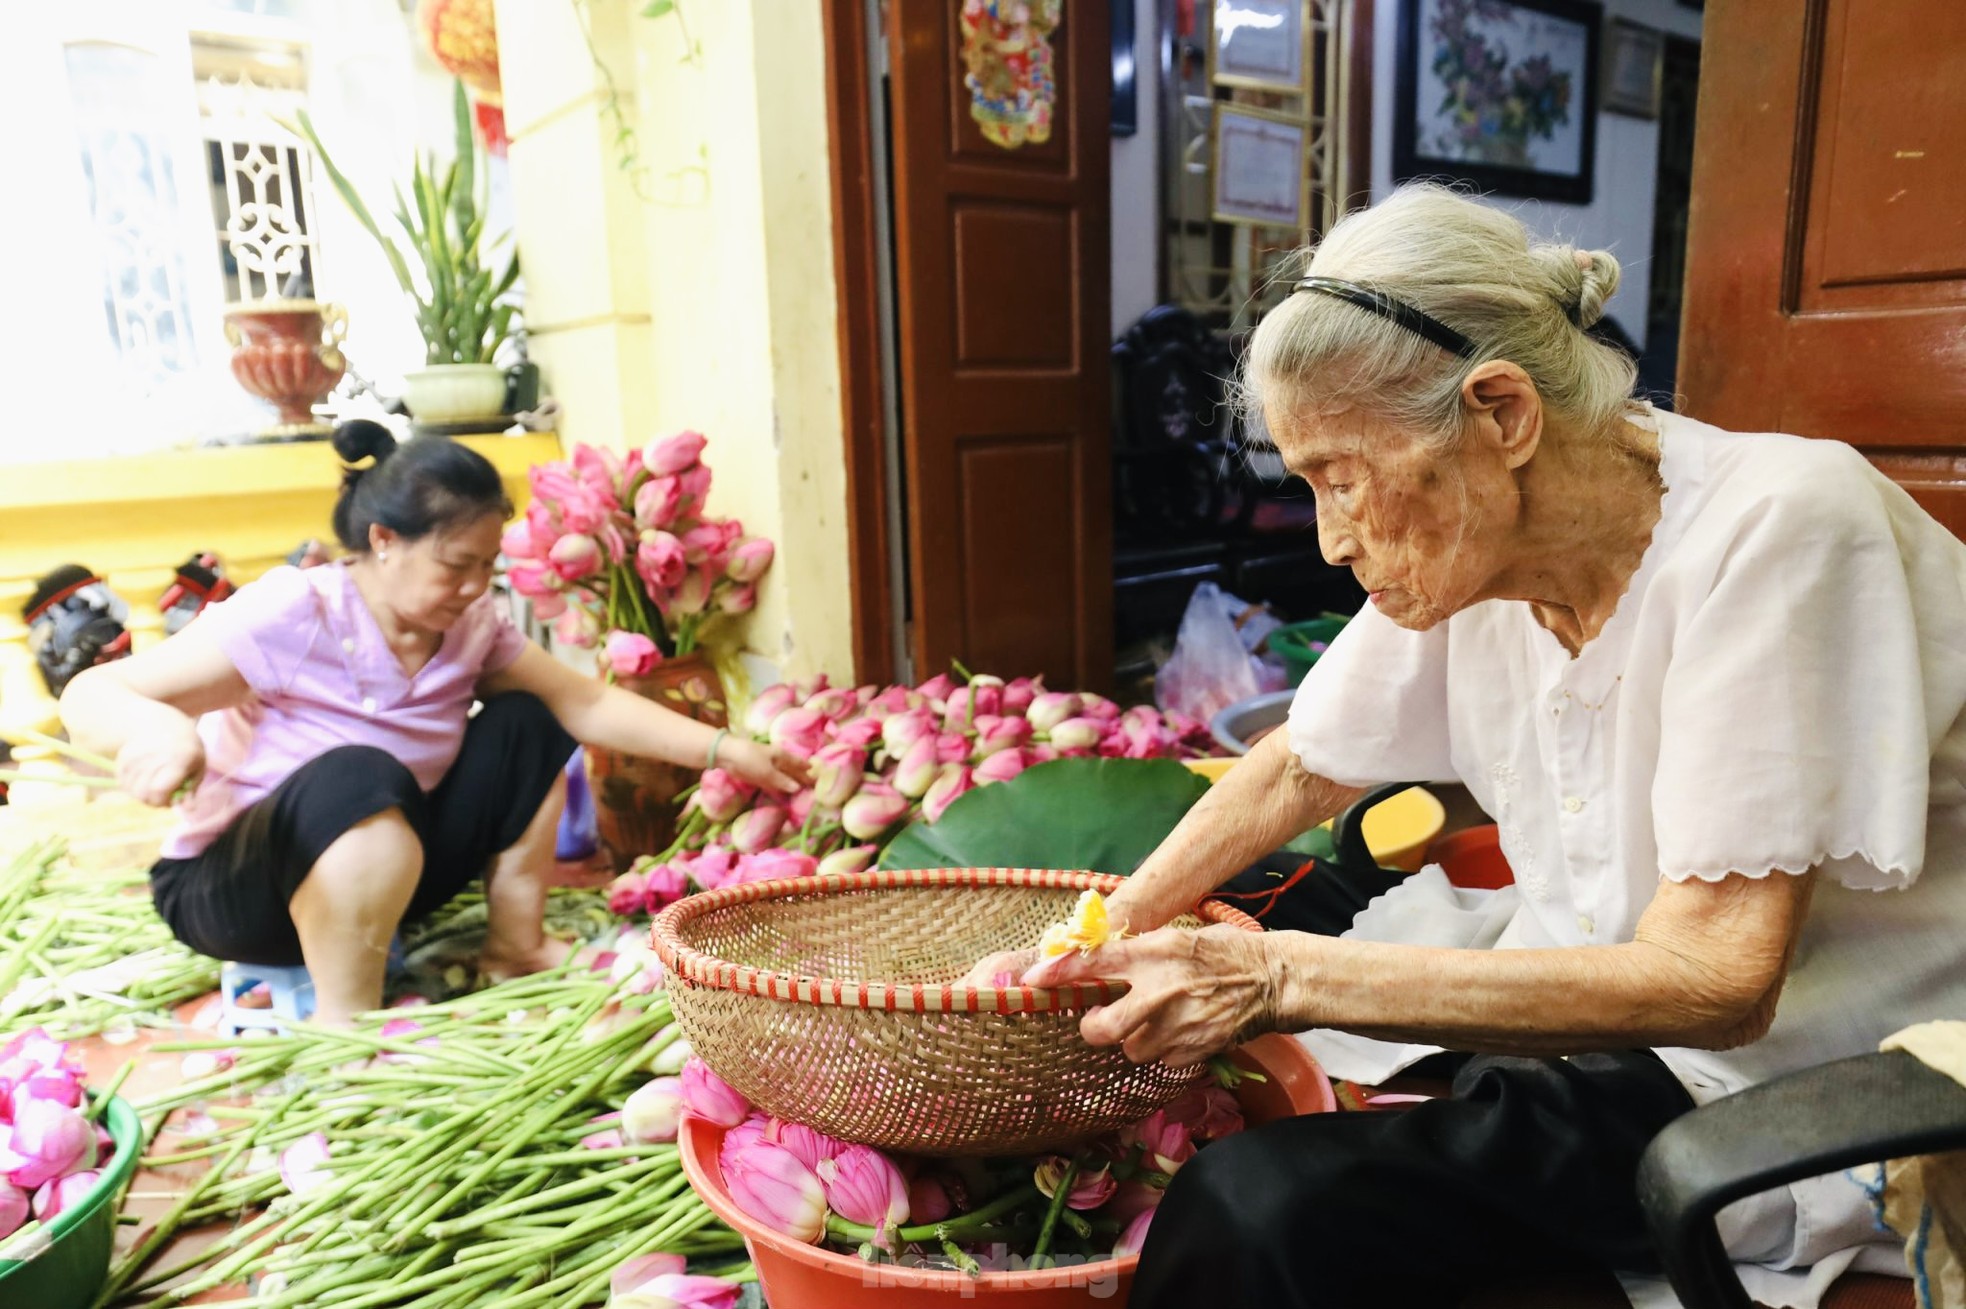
1585	280
359	439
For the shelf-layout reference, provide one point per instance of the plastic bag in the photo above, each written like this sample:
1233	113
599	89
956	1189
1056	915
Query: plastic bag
1213	665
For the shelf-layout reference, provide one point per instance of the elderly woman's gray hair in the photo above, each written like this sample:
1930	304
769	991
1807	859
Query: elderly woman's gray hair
1467	265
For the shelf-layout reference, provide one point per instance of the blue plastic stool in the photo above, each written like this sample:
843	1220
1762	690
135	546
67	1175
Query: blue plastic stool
291	987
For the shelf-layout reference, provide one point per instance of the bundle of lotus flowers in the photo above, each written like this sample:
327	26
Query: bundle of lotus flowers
881	757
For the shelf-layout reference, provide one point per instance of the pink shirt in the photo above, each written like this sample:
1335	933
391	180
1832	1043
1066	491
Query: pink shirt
323	676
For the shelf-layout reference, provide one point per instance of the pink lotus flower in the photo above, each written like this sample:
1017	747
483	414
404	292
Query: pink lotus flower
852	859
864	1186
920	765
1051	708
749	559
771	702
875	809
1018	693
658	1281
756	829
657	503
737	599
837	772
709	1096
56	1084
573	628
517	542
1134	1238
304	1164
63	1192
659	560
654	1113
811	1145
928	1200
15	1209
630	654
673	454
954	781
1076	734
771	865
860	734
575	556
627	894
722	795
713	868
802	731
1166	1144
1000	767
769	1183
48	1140
532	579
1089	1190
666	884
901	730
1208	1112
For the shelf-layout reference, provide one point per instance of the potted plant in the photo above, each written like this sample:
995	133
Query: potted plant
463	308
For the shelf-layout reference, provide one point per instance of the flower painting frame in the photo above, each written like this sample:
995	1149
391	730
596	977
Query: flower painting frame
1499	93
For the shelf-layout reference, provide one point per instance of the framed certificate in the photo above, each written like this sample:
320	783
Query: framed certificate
1258	43
1258	172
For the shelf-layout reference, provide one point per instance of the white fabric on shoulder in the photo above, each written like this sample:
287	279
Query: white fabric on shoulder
1804	700
1373	708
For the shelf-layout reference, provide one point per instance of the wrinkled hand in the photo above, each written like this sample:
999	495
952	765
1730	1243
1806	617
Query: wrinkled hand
764	765
152	765
1191	994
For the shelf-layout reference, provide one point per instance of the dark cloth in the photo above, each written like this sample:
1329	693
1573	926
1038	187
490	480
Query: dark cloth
230	900
1527	1168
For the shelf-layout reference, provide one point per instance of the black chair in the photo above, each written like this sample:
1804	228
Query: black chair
1819	1120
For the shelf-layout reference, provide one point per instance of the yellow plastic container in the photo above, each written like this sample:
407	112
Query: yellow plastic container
1397	830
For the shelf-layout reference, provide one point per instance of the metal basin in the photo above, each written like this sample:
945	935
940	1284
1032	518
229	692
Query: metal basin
1233	726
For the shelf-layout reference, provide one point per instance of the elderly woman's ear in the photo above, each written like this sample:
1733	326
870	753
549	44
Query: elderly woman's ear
1505	411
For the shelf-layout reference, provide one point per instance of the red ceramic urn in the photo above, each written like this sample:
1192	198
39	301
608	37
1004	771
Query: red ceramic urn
288	352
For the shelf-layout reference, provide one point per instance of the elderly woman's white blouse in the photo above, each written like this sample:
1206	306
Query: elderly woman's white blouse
1780	688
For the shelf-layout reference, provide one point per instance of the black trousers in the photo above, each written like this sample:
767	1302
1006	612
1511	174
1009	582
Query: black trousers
1527	1168
230	899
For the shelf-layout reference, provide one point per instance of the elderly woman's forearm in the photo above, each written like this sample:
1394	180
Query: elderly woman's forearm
1262	803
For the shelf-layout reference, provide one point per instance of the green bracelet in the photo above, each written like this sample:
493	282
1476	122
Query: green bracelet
716	741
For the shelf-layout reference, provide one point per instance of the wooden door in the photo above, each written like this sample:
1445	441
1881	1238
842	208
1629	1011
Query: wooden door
1826	268
1002	323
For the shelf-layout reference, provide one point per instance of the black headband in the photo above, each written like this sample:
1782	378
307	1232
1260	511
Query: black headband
1378	302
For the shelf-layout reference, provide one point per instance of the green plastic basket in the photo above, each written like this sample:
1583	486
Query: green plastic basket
71	1256
1293	643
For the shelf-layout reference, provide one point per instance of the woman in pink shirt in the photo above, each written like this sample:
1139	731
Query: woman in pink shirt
343	783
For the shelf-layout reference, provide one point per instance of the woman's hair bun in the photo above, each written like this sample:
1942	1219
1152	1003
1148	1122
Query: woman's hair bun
359	439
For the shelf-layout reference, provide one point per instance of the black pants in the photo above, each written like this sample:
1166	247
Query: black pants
230	900
1527	1168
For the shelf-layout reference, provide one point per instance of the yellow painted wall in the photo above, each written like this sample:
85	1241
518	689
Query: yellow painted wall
695	288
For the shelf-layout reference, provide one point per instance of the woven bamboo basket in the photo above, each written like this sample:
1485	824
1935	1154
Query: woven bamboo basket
827	1001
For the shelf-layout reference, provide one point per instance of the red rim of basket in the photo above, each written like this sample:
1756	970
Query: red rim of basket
701	969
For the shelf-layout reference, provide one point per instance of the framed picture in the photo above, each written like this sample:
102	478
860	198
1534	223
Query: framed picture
1634	59
1126	94
1501	93
1258	173
1258	43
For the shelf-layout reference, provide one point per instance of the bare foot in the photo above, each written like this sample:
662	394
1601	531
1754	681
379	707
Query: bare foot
502	964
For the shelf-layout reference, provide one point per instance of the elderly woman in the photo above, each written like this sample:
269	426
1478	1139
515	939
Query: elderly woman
1709	686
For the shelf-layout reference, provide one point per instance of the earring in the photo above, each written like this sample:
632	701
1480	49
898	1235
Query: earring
382	556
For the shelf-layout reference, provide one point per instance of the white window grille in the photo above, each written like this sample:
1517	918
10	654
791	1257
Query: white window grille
261	175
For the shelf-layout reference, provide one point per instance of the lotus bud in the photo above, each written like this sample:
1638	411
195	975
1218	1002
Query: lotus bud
1000	767
665	885
535	580
903	729
692	594
894	700
1099	707
657	503
928	1200
1076	735
63	1193
658	1281
1018	693
954	781
654	1112
709	1096
630	654
837	772
672	454
811	1145
952	748
864	1186
875	809
771	702
722	795
861	733
1208	1112
304	1164
737	599
517	542
49	1139
713	868
1051	708
696	487
1089	1190
749	560
936	691
1002	734
659	560
1134	1238
548	607
801	730
769	1184
670	1061
573	628
918	769
627	893
1167	1143
834	702
770	865
853	859
754	830
606	1139
574	556
15	1209
986	694
1130	1199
